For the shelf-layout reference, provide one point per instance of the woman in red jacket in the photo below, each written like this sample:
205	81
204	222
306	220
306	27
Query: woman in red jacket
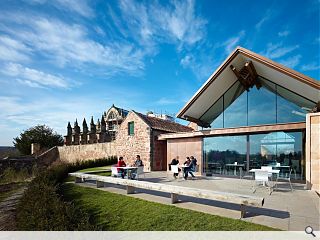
121	163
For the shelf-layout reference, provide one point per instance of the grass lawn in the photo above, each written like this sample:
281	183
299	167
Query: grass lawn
95	169
115	212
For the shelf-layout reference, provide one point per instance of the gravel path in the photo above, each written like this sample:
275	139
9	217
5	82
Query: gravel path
8	211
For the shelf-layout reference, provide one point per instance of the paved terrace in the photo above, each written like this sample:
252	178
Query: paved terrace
283	209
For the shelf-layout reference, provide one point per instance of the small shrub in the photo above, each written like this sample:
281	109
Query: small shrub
42	206
11	175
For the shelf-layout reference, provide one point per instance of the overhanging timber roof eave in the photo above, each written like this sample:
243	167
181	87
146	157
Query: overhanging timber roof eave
256	57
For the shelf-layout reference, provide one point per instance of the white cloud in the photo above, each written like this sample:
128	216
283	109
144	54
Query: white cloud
70	44
13	50
310	67
176	22
291	62
265	18
231	43
78	6
277	50
33	77
283	33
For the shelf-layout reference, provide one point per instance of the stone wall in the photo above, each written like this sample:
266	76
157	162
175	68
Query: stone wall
185	147
86	152
128	146
313	151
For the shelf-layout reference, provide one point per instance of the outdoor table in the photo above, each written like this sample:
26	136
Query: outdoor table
129	169
273	171
235	167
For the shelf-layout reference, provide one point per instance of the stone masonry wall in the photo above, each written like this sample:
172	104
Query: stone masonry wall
86	152
128	146
313	151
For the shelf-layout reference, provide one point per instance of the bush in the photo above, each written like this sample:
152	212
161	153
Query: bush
11	175
42	207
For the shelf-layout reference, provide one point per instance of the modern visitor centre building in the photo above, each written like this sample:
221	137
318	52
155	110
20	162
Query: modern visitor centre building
253	112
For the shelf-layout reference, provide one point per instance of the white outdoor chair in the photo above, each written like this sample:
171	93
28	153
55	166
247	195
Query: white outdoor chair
261	177
285	178
140	172
114	172
175	169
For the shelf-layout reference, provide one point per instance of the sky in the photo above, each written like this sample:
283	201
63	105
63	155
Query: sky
67	59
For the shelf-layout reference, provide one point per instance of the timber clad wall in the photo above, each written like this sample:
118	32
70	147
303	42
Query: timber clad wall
313	151
128	146
183	148
75	153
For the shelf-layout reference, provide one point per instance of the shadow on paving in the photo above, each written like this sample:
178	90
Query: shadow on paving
250	211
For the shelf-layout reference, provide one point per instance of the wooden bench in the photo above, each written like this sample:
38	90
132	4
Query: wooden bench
175	191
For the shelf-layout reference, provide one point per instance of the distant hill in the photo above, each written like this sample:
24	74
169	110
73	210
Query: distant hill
8	151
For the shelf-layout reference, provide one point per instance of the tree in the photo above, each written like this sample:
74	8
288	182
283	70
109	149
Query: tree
41	134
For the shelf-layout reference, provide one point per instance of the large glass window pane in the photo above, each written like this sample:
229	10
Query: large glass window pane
283	150
214	115
262	104
235	106
291	107
225	155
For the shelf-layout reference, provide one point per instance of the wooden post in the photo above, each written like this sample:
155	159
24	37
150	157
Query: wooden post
174	198
242	210
78	180
100	184
130	189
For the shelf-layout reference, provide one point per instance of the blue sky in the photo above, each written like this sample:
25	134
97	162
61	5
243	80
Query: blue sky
67	59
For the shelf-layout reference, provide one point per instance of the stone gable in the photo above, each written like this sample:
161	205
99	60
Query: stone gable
128	146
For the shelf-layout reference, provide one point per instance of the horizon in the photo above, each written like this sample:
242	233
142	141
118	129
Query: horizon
67	60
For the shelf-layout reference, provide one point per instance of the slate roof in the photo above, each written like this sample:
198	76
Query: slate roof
163	125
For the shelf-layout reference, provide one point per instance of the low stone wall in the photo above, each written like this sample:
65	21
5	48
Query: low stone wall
86	152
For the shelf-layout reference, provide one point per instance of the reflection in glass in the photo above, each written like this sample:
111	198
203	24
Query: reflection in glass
261	106
282	150
221	154
235	105
212	115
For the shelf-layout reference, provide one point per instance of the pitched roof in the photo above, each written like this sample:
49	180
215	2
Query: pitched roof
223	78
163	125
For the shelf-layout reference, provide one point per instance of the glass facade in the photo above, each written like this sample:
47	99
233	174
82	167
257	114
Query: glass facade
271	104
229	155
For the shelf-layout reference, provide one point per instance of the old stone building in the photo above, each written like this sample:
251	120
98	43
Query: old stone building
138	134
100	132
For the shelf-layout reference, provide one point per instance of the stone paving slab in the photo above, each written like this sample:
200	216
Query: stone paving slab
283	209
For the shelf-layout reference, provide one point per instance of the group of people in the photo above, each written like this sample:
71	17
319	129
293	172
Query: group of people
189	166
133	172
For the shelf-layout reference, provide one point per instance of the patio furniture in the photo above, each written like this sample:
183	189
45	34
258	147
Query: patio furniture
285	178
175	169
175	191
114	172
235	165
140	171
269	169
261	177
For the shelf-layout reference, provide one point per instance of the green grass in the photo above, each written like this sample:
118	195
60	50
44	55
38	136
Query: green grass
116	212
95	169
